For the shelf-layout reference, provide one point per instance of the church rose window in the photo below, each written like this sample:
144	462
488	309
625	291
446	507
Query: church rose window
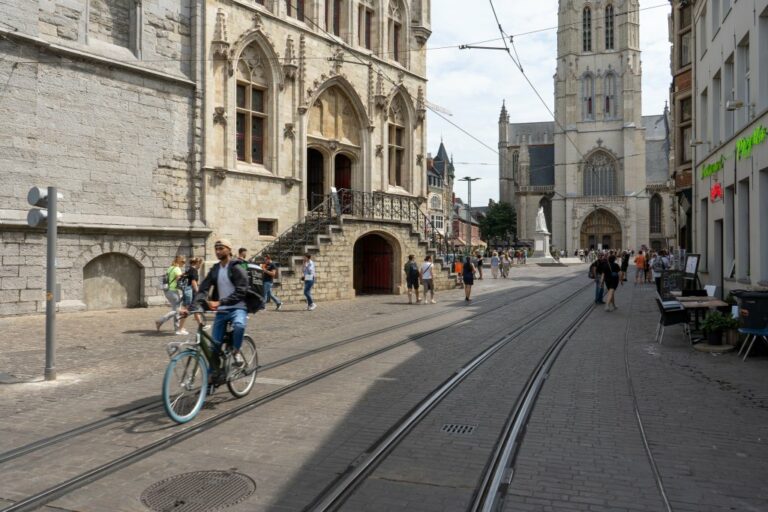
586	27
600	175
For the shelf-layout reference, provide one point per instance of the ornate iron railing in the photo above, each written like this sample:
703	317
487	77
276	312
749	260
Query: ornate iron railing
376	206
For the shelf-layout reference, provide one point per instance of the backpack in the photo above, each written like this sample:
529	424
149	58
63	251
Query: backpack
659	264
165	281
254	295
183	281
412	269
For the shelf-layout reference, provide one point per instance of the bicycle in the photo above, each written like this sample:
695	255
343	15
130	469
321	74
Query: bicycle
186	382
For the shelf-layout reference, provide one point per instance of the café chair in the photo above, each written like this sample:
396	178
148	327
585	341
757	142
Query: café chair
671	314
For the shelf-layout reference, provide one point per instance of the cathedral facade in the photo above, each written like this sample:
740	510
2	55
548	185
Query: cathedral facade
600	168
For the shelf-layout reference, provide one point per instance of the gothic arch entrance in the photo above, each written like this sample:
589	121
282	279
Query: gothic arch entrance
373	265
601	230
315	178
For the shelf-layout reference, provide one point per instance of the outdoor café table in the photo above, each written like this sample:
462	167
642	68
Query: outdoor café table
697	304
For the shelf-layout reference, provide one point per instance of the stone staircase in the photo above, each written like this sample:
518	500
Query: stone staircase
329	232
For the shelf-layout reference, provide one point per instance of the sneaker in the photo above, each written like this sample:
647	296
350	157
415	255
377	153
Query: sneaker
312	307
238	359
277	308
418	301
434	301
182	332
158	324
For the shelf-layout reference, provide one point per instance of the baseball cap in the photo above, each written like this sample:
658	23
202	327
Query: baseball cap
223	242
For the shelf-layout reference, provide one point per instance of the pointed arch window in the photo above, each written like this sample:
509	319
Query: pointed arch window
586	29
295	9
515	165
588	107
252	106
396	31
436	202
397	143
655	214
366	24
610	96
600	175
609	27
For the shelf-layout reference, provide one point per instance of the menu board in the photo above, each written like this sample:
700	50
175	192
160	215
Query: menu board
692	264
671	281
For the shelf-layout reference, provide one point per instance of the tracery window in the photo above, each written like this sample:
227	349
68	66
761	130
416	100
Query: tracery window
656	214
609	27
610	96
252	92
366	24
515	165
586	29
396	34
435	202
588	107
396	120
600	175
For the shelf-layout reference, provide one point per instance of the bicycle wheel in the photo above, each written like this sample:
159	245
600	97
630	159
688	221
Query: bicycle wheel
185	386
241	379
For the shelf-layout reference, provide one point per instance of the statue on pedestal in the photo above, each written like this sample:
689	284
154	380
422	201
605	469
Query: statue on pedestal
541	222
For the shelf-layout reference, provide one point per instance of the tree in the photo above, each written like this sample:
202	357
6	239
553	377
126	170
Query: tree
499	222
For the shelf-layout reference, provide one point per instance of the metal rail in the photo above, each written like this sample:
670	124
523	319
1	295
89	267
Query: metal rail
343	487
95	425
63	488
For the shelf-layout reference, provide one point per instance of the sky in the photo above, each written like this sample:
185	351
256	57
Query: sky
471	84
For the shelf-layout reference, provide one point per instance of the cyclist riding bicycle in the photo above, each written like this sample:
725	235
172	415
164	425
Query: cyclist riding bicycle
229	280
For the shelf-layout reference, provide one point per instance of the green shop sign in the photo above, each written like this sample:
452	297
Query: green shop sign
743	150
744	146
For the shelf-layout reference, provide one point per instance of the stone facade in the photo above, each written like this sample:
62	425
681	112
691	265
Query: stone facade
589	168
137	112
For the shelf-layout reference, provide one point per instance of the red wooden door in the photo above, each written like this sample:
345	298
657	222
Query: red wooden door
373	265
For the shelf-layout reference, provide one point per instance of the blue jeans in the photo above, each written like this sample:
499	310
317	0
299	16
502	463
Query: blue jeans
308	292
598	290
268	295
239	318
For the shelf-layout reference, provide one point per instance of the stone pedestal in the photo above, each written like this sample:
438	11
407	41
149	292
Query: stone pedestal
541	245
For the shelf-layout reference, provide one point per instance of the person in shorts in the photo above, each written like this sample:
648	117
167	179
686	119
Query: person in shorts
411	269
426	276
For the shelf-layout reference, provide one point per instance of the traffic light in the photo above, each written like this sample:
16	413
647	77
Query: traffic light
38	196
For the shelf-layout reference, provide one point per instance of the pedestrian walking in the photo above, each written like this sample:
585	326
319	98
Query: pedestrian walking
639	268
173	293
480	265
506	263
190	284
468	276
495	262
242	253
426	276
269	273
411	269
595	273
659	264
624	265
611	277
308	276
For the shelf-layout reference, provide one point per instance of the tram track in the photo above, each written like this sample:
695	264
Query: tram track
346	484
34	501
26	449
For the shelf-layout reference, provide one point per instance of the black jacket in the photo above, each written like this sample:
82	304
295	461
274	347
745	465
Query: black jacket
238	276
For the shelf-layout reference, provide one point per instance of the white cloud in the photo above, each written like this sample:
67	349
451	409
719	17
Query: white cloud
473	83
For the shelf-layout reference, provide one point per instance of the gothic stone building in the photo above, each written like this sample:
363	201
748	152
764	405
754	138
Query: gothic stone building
168	124
600	169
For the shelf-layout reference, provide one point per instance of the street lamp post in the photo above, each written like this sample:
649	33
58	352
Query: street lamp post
469	211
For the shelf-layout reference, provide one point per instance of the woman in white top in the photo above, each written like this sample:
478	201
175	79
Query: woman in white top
495	265
426	279
308	276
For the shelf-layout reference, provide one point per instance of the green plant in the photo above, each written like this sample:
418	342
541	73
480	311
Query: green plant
716	321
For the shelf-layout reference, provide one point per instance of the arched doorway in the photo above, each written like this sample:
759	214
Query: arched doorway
601	230
373	265
315	175
112	280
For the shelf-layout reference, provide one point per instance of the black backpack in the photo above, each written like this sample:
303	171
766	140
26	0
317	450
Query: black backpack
413	270
254	295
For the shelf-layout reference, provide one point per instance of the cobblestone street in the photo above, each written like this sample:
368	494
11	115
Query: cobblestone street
705	416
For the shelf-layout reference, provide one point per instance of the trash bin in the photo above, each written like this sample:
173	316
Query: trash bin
753	308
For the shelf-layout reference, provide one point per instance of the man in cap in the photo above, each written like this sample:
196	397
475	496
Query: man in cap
230	283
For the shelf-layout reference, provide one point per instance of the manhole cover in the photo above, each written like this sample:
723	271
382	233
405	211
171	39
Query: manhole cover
199	491
462	430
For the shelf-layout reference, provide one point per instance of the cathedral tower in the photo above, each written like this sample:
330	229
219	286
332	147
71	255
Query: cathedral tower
599	198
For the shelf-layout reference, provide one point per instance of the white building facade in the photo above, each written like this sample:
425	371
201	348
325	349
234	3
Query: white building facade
730	45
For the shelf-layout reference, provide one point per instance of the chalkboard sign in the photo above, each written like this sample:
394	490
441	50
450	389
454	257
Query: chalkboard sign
671	281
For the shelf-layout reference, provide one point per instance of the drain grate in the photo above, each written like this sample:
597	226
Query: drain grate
199	491
458	429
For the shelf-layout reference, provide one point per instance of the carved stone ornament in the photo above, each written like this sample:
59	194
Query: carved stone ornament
220	44
220	115
381	98
258	22
338	61
421	104
334	145
419	159
290	181
289	131
290	68
379	150
220	173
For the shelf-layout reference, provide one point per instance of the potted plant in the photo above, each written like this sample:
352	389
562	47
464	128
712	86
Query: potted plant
713	326
731	327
